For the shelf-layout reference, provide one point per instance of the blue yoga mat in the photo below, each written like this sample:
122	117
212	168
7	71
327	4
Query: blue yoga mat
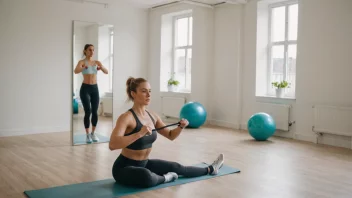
81	138
109	188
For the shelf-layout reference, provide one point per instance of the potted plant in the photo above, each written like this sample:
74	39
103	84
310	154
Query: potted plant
172	84
280	88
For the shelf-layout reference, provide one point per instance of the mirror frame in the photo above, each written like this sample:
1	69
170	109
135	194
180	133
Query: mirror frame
72	79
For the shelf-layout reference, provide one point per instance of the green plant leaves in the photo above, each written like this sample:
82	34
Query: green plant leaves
282	84
173	82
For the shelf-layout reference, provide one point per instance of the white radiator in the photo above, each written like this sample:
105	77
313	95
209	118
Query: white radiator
171	106
106	102
279	112
332	119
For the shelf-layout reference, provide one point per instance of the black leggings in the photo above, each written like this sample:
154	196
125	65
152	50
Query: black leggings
89	95
148	173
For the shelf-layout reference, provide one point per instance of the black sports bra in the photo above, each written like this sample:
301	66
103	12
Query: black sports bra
143	142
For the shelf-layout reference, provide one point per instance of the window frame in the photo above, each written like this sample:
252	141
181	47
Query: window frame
285	43
186	47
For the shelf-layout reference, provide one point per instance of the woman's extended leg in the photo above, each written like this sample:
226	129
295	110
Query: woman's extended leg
162	167
140	177
133	173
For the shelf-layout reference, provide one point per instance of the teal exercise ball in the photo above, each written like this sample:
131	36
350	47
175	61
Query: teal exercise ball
75	106
195	113
261	126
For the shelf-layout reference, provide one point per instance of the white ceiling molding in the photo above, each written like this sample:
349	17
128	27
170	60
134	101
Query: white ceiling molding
199	3
182	2
105	4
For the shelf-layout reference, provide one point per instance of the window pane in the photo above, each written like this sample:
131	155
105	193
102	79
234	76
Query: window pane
278	24
293	22
180	67
189	69
291	68
292	53
182	30
190	30
277	62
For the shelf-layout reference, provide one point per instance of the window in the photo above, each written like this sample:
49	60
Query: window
182	51
282	45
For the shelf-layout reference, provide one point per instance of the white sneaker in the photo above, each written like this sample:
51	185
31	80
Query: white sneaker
217	164
170	177
94	137
88	139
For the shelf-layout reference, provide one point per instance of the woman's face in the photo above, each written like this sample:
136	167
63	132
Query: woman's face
142	96
89	51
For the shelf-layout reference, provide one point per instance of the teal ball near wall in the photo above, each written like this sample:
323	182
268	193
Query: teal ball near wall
261	126
195	113
75	106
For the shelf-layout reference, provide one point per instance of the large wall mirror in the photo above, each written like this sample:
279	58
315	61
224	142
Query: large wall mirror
93	53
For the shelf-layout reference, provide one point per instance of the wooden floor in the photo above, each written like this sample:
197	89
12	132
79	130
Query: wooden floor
277	168
104	125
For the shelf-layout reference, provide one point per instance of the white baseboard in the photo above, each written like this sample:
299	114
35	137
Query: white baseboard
222	123
303	137
170	120
243	126
38	130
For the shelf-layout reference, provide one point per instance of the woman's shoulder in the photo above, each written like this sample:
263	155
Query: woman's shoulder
125	118
125	115
153	114
97	62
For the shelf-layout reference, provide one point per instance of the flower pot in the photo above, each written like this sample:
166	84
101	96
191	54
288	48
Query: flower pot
172	88
280	92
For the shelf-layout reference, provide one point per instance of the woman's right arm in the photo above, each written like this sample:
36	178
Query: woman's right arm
117	138
79	67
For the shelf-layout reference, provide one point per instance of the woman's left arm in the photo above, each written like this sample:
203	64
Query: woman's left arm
166	132
100	66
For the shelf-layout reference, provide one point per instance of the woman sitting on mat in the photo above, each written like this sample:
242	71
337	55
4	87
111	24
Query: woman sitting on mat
134	134
89	92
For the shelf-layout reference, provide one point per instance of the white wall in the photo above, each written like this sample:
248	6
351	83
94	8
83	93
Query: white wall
323	64
36	59
226	72
202	55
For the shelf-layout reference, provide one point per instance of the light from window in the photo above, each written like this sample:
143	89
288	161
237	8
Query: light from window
278	24
183	52
283	46
182	31
277	59
190	30
293	22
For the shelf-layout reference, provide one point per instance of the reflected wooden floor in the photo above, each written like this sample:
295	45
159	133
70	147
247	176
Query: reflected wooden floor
277	168
104	126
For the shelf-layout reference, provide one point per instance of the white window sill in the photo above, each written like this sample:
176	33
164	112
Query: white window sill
183	92
274	99
175	94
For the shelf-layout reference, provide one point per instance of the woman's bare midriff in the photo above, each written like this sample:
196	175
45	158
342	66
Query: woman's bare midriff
90	79
136	154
